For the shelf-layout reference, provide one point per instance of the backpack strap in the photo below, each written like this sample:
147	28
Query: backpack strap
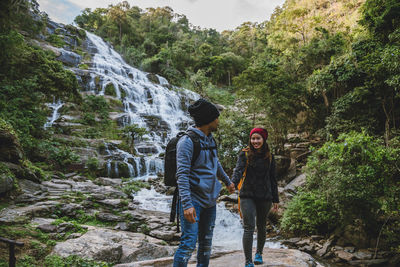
240	185
196	145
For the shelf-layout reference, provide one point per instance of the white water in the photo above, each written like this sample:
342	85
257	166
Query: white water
145	104
55	106
228	229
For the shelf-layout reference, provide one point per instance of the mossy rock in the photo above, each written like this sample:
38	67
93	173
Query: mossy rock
110	90
7	179
123	93
83	66
10	149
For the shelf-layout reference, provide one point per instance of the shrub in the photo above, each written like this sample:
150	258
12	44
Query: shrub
352	179
309	213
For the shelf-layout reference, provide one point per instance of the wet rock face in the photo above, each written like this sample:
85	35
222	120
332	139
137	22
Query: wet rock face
69	58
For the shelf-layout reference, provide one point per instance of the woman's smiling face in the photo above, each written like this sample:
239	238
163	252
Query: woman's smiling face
256	141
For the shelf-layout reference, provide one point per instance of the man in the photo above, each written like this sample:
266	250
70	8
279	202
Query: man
198	185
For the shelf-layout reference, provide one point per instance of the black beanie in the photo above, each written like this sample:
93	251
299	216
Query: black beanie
203	112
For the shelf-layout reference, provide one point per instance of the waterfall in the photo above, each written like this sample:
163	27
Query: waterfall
149	105
159	109
55	106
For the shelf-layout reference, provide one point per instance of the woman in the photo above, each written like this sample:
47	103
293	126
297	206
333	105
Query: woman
257	191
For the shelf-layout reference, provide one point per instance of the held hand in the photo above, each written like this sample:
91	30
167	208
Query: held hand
275	207
231	188
190	215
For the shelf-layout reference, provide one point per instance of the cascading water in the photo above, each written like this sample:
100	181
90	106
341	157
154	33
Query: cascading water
148	105
161	111
55	106
228	230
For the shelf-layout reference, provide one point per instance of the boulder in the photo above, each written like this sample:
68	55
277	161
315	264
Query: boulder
113	246
69	58
10	149
297	182
153	78
6	183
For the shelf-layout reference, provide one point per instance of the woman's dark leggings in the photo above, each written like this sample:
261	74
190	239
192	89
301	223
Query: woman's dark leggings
252	209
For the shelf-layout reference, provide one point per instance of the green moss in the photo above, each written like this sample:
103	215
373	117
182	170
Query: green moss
56	40
110	90
134	186
83	66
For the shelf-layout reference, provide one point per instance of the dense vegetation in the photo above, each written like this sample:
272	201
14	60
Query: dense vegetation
308	69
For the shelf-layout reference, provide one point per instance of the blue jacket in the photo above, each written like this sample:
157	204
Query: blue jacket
199	182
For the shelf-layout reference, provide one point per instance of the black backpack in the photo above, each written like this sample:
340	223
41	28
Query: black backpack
170	156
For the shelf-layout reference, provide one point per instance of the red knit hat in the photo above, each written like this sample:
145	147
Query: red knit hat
260	131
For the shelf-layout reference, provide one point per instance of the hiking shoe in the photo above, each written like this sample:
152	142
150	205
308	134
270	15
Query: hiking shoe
249	264
258	259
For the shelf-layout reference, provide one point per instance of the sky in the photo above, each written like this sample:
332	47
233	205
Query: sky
217	14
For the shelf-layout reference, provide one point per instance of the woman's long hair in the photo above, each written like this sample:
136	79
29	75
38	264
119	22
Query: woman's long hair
252	152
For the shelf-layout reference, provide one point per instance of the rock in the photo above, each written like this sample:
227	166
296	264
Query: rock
47	228
69	58
28	186
15	214
372	263
272	257
10	149
291	241
297	182
363	254
113	246
108	217
6	183
153	78
350	249
109	181
113	203
321	252
70	209
346	256
147	149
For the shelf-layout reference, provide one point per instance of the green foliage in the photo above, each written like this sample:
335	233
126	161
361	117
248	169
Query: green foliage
56	40
381	17
58	155
232	136
72	261
133	186
30	77
92	164
133	133
309	213
39	173
353	178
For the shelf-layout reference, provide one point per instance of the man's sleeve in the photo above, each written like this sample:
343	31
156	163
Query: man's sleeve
222	175
183	163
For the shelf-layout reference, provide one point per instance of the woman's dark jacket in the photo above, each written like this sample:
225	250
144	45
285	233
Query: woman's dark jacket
260	179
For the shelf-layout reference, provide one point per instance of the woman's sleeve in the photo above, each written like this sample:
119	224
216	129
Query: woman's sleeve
239	169
274	184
